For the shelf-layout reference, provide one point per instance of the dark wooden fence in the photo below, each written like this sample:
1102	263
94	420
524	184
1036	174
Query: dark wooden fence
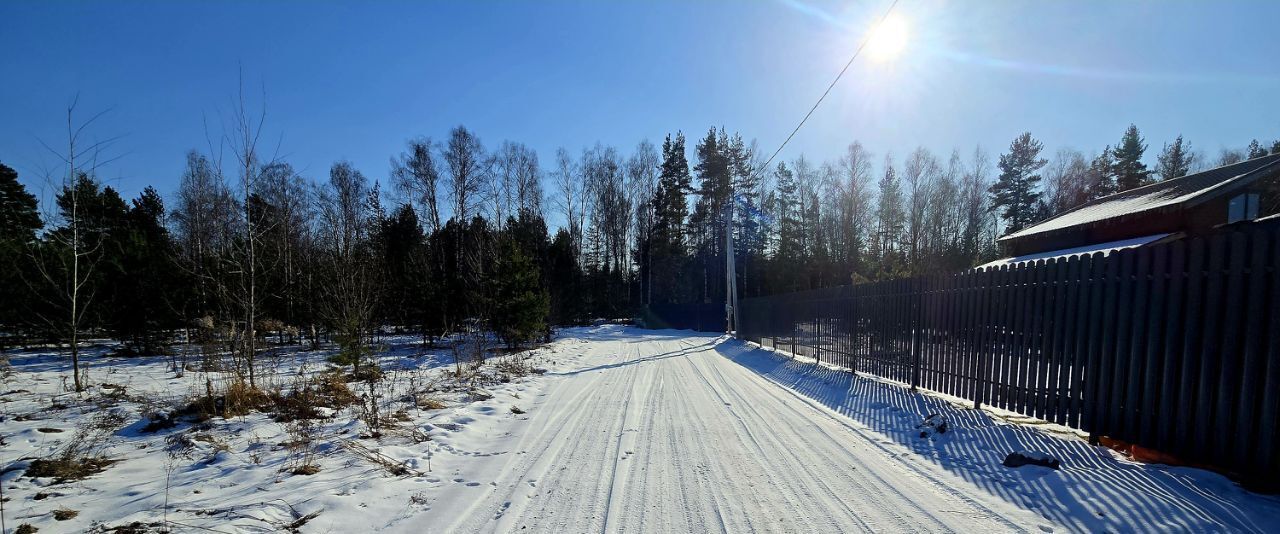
1174	347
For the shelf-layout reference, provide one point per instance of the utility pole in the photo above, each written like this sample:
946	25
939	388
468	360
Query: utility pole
731	281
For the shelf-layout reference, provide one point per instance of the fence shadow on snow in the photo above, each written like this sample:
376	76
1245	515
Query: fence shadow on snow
1093	491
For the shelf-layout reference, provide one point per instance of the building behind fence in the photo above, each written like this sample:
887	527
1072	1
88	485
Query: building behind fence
1173	347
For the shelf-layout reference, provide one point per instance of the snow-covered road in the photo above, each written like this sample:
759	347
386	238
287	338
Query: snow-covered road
660	433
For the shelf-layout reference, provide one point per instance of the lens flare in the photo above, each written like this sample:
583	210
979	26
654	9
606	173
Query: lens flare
887	40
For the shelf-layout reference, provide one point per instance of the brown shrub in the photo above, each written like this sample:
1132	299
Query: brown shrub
334	391
240	399
432	403
66	469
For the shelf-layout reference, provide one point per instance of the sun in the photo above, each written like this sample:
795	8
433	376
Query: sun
887	40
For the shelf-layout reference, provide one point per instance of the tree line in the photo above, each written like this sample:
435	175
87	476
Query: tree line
459	240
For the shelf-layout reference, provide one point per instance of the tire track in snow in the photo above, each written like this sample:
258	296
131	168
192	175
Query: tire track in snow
514	485
564	489
782	458
893	460
626	443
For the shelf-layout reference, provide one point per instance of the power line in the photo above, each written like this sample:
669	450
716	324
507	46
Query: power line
861	45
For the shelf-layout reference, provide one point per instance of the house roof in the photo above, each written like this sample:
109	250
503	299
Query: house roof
1105	248
1174	194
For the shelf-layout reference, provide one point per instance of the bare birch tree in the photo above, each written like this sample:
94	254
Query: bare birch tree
416	172
569	193
67	267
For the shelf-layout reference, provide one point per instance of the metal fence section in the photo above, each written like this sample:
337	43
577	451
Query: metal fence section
1173	347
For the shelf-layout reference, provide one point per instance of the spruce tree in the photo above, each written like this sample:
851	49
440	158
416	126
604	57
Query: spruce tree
406	296
520	302
1175	160
1130	171
1016	191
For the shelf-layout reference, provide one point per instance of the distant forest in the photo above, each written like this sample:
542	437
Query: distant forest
457	235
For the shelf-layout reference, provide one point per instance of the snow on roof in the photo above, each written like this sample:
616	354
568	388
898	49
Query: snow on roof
1105	248
1167	194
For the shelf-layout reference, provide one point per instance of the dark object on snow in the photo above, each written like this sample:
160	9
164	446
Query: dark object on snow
159	421
1019	459
934	424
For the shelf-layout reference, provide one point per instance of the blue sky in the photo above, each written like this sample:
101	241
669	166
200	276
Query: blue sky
354	81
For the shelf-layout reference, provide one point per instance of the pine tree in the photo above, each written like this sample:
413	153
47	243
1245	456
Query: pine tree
891	220
707	221
19	222
520	302
19	219
140	282
1256	150
1016	191
787	208
1175	160
670	208
1130	171
1102	176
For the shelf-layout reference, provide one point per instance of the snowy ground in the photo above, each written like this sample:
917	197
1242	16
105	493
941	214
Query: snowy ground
629	430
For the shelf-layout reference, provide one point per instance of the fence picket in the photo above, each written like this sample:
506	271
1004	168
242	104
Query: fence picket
1207	374
1123	347
1251	367
1171	363
982	349
1270	410
1017	367
1141	283
1189	384
1093	362
1067	363
1044	314
1053	359
1229	351
1152	372
1000	379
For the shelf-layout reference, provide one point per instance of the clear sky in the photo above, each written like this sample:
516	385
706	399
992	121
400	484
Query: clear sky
354	81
